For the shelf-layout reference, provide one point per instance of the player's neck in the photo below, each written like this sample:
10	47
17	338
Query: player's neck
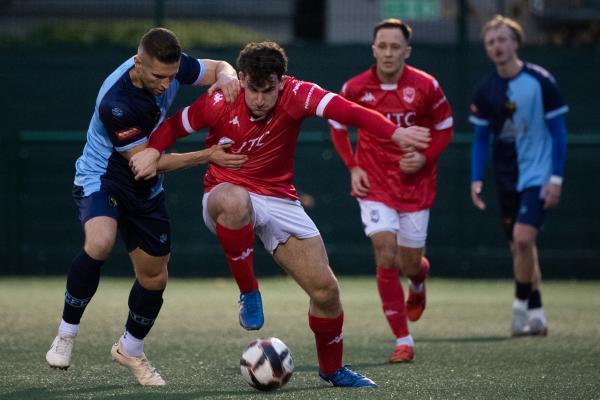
390	78
510	68
135	79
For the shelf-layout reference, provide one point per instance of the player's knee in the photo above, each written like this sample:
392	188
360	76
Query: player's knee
154	279
99	247
327	295
522	243
384	255
234	201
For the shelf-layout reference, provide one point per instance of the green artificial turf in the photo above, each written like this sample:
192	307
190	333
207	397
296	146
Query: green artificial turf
463	347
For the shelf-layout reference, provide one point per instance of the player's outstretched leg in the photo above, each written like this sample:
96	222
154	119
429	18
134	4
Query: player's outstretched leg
251	311
82	281
143	371
345	377
231	209
417	296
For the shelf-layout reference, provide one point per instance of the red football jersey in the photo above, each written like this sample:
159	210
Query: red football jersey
416	99
270	141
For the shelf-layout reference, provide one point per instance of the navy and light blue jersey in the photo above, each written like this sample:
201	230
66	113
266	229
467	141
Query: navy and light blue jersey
518	112
124	117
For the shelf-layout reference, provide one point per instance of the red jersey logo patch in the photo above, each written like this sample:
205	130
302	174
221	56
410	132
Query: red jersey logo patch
127	133
408	94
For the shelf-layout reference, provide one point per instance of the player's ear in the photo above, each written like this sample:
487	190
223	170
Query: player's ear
373	49
408	51
242	77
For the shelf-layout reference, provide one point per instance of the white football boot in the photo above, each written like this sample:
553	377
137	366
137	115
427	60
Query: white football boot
59	355
520	322
143	371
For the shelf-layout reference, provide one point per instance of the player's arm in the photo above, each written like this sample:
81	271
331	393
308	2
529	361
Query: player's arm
147	163
438	108
221	75
359	179
348	113
479	154
558	131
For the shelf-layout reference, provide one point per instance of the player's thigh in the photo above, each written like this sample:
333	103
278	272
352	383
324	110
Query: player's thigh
145	225
306	261
150	271
98	214
412	229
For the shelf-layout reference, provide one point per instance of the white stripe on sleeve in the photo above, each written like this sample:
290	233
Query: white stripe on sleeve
185	120
445	124
336	125
323	103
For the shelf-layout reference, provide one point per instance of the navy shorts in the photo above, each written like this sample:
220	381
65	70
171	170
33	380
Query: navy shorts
144	224
525	207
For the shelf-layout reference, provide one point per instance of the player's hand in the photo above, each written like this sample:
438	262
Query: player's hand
220	157
416	136
144	164
360	181
229	85
476	188
412	162
551	195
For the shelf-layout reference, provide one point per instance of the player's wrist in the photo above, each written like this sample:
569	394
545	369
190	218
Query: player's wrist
556	180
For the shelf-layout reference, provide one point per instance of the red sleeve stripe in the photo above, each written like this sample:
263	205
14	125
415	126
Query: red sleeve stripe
185	121
445	124
323	103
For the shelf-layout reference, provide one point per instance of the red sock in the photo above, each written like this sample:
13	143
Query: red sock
330	342
238	245
392	300
422	274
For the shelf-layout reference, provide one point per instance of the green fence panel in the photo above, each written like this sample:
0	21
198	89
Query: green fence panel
463	242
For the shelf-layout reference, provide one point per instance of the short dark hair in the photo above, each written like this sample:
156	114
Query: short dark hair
393	23
514	26
162	45
259	60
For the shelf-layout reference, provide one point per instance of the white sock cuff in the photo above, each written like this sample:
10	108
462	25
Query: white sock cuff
405	341
519	304
67	329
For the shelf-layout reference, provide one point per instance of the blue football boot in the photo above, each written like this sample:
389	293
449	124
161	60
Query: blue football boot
251	311
345	377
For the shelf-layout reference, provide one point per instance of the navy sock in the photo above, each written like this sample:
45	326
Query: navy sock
535	299
523	290
144	306
82	282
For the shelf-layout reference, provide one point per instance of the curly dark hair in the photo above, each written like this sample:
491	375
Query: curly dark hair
260	60
162	45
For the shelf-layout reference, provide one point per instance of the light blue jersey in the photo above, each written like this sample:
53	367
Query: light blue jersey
517	112
124	117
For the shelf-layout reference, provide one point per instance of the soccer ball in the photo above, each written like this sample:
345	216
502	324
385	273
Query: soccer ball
267	364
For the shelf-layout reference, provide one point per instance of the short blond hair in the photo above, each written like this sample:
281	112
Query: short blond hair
513	25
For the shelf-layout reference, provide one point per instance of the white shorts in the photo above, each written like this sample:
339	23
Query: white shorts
410	227
275	220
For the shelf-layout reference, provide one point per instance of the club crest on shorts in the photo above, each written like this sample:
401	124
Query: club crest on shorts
374	214
112	201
